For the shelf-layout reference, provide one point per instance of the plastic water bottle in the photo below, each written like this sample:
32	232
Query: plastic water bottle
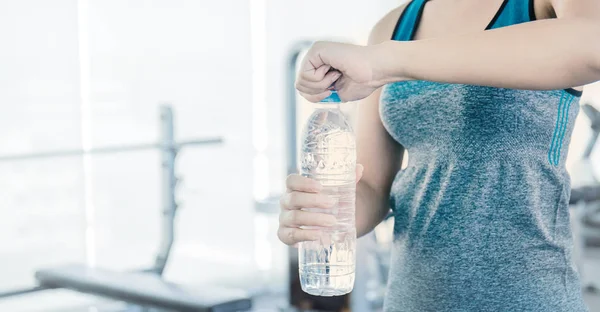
328	155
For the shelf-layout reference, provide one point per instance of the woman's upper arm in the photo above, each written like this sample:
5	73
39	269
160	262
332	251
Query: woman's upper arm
577	8
587	11
378	152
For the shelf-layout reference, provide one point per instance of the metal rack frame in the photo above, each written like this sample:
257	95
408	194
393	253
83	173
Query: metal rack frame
169	148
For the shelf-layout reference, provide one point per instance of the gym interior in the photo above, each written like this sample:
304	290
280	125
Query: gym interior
145	144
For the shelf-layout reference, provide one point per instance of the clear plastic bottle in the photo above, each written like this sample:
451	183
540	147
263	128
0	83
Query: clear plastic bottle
328	155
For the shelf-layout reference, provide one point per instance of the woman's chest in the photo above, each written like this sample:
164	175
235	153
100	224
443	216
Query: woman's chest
445	18
419	111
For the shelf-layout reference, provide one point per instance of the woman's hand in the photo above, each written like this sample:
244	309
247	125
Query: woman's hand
298	221
347	68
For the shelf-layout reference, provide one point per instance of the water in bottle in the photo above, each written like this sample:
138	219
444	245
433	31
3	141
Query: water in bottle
328	155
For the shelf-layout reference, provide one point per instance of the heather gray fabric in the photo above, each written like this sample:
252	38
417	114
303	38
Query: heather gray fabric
481	211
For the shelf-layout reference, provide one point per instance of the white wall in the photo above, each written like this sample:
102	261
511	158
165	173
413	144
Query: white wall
40	201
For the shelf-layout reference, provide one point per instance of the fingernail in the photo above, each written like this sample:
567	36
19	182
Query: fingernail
317	186
336	76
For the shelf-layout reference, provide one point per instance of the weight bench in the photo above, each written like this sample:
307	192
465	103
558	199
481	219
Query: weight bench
144	289
588	194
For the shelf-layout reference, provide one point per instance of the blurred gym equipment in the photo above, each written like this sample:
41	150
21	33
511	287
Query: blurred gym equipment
145	288
590	192
586	199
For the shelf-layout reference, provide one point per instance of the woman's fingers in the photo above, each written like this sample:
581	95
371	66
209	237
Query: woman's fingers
317	97
299	200
317	87
305	210
299	219
358	78
310	73
292	236
296	182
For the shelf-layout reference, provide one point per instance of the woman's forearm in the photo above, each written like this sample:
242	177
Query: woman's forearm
371	208
542	55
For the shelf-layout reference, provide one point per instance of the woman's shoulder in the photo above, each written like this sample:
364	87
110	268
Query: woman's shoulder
383	30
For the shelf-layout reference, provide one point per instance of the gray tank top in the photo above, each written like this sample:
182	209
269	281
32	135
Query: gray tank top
481	211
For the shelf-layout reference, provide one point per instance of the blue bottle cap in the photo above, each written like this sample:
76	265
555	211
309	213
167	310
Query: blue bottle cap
333	98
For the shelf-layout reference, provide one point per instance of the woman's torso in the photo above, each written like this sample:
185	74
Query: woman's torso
481	211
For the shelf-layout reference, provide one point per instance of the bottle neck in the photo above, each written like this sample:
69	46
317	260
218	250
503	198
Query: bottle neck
325	105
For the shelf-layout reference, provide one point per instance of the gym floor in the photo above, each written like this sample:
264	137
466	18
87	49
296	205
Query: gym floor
591	275
35	302
269	304
593	302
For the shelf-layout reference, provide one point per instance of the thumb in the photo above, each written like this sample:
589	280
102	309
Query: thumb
359	172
